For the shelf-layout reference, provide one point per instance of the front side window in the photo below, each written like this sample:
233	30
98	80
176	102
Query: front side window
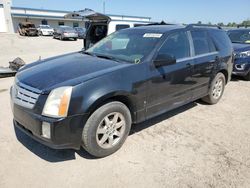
127	45
203	44
176	45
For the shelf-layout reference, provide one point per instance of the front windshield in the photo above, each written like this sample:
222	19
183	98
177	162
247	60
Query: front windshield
240	36
127	45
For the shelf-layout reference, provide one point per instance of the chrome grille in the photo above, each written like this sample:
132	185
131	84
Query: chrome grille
25	96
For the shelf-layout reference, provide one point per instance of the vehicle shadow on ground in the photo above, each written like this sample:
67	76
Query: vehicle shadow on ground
237	79
151	122
46	153
53	156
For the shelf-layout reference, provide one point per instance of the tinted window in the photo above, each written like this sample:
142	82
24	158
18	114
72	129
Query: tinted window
202	42
239	36
222	41
127	45
176	45
121	26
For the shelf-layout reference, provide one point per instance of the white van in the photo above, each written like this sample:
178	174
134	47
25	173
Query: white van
101	25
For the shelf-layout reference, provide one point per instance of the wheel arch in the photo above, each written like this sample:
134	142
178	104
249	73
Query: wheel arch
119	97
225	73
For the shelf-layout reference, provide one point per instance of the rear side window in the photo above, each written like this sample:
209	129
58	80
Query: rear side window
121	26
222	41
176	45
203	44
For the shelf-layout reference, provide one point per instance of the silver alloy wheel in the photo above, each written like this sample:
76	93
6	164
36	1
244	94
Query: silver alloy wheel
111	130
218	89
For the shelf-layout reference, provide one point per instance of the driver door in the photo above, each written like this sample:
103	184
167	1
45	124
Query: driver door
170	86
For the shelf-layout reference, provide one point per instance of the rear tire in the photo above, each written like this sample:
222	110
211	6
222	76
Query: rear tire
216	89
106	129
247	77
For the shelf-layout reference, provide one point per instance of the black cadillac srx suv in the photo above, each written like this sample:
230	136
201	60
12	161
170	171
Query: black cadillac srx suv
91	98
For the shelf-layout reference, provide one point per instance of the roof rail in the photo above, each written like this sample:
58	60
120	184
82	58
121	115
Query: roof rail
202	25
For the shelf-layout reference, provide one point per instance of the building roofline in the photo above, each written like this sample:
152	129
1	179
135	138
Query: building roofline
62	11
42	16
37	9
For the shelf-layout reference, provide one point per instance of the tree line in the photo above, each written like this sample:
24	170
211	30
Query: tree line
245	23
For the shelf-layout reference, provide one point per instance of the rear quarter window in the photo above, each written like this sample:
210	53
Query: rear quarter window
222	41
203	43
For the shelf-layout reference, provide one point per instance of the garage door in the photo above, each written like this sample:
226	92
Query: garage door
2	20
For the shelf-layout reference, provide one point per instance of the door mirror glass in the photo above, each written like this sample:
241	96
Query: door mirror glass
164	60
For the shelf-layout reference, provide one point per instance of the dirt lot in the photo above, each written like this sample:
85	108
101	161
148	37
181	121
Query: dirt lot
194	146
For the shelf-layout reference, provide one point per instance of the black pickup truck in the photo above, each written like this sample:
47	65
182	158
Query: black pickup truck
91	98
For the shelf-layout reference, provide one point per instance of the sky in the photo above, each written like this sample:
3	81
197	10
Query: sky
174	11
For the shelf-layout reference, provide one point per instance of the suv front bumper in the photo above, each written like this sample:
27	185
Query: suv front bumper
241	67
65	133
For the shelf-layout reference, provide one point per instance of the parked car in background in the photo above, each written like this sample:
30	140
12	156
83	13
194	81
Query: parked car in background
65	32
101	25
91	98
241	43
27	29
81	32
45	30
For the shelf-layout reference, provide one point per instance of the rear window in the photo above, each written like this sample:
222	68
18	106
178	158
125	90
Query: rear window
203	44
121	26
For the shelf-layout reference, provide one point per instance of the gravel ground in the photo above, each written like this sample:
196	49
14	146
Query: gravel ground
194	146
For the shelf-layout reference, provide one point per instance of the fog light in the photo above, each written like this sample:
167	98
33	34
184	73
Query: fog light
46	130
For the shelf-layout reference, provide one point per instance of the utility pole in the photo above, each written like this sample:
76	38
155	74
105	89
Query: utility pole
104	7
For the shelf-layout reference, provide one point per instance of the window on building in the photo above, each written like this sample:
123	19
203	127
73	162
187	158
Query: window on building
176	45
203	44
44	22
60	23
75	24
121	26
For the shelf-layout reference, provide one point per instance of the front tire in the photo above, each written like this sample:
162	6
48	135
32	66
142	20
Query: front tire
106	129
216	89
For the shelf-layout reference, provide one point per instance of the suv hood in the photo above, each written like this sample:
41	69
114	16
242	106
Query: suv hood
241	47
88	15
66	70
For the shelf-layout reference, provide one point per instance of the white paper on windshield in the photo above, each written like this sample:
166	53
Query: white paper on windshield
152	35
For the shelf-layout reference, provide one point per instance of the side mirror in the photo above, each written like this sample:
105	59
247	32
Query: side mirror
164	60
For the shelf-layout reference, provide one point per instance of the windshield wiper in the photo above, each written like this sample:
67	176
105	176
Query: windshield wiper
107	57
88	53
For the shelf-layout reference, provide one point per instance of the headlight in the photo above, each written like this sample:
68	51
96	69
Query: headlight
57	103
245	54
